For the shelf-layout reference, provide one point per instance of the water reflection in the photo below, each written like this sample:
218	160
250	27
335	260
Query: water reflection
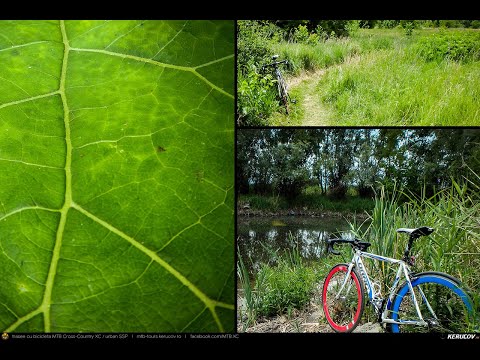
258	239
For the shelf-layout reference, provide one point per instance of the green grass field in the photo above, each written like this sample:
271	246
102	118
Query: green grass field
382	77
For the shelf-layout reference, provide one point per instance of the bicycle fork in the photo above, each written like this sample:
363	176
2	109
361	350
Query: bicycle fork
347	276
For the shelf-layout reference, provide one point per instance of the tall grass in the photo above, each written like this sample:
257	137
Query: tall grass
281	285
382	77
303	56
244	279
400	88
310	57
455	214
288	285
453	247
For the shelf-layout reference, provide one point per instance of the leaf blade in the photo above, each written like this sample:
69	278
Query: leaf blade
144	151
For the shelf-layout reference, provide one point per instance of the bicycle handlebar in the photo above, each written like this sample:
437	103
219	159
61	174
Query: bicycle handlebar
356	244
275	63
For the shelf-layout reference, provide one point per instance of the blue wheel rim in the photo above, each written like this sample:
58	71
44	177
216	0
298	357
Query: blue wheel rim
422	280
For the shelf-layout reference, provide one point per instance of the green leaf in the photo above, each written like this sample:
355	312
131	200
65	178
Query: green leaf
116	176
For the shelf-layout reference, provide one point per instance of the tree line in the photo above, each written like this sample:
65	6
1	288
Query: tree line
343	27
286	162
340	26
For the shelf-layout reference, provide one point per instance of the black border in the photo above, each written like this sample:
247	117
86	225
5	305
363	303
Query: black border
268	343
235	196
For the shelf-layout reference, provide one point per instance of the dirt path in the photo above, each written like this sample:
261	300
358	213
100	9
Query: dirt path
315	113
309	320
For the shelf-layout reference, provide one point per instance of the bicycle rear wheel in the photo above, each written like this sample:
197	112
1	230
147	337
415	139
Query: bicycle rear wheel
343	307
444	305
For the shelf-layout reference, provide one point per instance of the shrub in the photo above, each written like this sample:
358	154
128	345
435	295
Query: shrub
388	24
257	97
322	34
352	27
253	41
301	34
271	203
334	28
456	46
287	286
313	39
408	26
451	24
428	24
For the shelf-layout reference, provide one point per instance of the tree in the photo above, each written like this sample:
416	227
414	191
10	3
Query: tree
285	161
245	151
366	171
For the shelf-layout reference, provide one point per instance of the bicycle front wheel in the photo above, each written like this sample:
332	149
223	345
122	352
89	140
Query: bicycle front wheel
342	298
282	91
444	305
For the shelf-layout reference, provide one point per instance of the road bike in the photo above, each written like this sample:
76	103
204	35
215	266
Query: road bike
425	302
281	83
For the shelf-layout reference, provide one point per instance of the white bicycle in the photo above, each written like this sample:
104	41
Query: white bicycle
425	302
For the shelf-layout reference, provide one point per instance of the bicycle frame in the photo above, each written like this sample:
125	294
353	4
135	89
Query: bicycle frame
377	302
278	74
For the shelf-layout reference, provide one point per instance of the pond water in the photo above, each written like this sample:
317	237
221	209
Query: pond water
258	238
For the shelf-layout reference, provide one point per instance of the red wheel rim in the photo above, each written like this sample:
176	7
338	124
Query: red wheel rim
337	327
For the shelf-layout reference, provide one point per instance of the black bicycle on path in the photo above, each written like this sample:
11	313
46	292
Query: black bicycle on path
281	83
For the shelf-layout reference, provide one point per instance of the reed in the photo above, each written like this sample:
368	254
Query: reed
453	247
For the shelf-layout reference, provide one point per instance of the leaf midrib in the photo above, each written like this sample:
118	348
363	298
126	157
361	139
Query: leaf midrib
68	187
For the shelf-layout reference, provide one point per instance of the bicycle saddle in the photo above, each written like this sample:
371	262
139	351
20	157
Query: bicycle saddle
274	57
421	231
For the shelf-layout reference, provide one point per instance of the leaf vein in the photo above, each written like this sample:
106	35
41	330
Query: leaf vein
28	99
26	208
170	41
197	292
157	63
23	45
31	164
